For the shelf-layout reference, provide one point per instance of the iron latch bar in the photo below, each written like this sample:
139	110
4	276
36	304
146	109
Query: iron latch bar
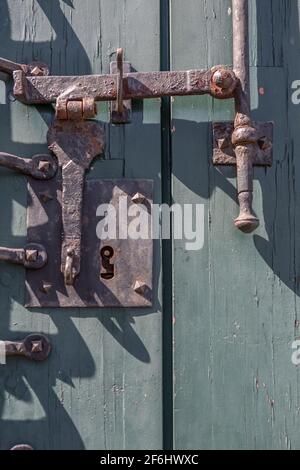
33	256
35	348
220	82
42	167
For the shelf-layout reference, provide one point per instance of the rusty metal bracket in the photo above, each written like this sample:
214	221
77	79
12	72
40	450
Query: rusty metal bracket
75	144
33	256
35	348
224	151
42	167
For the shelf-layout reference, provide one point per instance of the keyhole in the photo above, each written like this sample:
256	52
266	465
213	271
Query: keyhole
107	268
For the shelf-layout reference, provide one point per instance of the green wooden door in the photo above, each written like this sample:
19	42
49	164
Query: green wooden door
101	387
236	302
210	365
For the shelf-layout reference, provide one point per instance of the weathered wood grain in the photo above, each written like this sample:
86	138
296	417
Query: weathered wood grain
101	388
236	302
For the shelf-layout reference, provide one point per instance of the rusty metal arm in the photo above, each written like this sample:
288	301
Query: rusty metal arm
42	167
34	347
35	69
33	256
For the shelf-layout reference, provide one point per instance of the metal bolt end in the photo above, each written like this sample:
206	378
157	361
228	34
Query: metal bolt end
140	288
223	83
222	79
44	166
138	198
31	255
46	287
36	346
247	223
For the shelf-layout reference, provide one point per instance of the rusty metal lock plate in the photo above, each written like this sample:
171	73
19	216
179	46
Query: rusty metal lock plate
114	272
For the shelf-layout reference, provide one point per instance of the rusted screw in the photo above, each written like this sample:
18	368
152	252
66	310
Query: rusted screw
264	143
45	196
46	287
138	198
31	255
44	166
36	346
222	79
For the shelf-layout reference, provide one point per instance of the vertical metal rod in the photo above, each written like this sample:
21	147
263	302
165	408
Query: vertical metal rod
244	136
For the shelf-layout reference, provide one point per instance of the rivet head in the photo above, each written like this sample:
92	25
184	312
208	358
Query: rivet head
36	346
222	79
44	166
223	143
138	198
31	255
140	287
37	71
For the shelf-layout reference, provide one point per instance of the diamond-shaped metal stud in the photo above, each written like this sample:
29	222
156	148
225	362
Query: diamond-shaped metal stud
138	198
140	288
36	346
44	166
37	71
31	255
223	143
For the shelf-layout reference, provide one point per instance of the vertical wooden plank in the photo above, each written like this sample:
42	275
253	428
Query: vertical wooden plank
236	301
101	388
